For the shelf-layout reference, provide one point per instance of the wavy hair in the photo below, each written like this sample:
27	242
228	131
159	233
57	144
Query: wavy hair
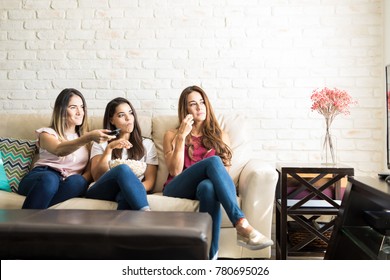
211	130
60	114
138	150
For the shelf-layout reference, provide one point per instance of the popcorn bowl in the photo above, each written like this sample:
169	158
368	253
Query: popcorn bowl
138	167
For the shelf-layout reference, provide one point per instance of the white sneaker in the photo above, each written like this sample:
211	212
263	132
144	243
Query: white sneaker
255	240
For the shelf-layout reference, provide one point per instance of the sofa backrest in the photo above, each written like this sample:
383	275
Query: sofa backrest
23	126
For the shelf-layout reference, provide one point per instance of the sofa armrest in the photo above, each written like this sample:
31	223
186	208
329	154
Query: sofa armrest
256	186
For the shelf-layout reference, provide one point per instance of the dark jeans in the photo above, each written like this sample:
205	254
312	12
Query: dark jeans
44	187
122	185
210	183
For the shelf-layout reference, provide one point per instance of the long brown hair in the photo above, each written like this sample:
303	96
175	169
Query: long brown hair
211	130
60	114
138	150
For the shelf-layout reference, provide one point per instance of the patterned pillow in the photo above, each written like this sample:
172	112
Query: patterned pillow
17	156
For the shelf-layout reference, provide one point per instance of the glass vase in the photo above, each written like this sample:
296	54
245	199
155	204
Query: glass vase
328	153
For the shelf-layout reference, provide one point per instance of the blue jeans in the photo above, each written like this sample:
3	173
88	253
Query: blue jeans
44	187
120	184
210	183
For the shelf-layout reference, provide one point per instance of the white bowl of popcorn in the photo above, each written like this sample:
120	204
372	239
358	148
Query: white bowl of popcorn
138	167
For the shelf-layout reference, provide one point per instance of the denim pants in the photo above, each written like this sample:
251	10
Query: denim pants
210	183
120	184
44	187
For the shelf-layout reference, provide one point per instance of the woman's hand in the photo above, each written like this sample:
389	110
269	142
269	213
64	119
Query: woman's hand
100	135
120	144
186	125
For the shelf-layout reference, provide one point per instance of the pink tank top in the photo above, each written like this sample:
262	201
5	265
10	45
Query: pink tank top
74	163
199	153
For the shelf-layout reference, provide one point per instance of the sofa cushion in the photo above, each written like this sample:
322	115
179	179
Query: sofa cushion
22	126
157	202
11	200
240	142
160	125
17	156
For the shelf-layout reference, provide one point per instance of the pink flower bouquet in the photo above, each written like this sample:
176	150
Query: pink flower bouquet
331	102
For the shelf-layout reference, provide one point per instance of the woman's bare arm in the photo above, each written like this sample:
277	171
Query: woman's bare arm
150	177
50	143
173	145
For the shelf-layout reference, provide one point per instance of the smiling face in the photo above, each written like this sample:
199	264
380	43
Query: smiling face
75	111
196	106
123	118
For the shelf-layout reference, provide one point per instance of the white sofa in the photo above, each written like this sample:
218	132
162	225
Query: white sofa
255	180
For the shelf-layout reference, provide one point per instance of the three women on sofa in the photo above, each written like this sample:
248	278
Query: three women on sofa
198	157
61	171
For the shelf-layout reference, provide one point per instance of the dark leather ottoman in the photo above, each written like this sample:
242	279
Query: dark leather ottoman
103	234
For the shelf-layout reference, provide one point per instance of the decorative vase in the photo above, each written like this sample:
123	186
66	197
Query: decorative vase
328	142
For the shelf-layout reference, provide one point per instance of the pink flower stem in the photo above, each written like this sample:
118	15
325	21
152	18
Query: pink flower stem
328	141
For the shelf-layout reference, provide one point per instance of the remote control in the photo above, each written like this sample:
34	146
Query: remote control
383	175
115	132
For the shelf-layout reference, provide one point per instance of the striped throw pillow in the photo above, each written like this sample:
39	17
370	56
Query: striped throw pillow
17	156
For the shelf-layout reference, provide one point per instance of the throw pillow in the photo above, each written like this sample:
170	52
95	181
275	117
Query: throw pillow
4	186
17	157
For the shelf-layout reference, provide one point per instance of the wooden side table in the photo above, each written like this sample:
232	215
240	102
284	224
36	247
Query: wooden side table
304	210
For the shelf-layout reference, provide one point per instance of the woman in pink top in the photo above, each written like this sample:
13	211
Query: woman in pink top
197	155
61	172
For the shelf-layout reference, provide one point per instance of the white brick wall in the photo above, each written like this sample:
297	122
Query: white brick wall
258	58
